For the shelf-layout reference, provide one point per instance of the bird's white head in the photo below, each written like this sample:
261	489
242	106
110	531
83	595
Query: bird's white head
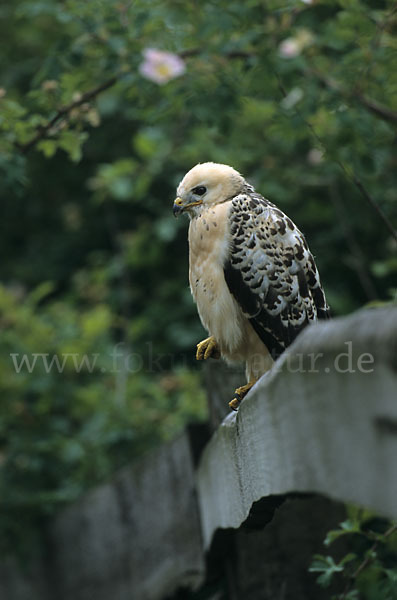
207	184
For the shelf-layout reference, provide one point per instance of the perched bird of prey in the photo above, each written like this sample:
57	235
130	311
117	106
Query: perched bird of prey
251	273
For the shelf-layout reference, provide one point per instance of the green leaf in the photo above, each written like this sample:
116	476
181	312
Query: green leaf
327	567
347	527
72	141
48	147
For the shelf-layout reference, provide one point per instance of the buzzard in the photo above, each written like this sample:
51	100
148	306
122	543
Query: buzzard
251	273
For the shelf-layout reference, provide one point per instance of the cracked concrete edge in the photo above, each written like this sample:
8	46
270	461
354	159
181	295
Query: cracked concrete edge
330	430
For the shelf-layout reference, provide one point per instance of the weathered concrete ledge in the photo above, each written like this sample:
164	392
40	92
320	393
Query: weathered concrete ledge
323	420
136	536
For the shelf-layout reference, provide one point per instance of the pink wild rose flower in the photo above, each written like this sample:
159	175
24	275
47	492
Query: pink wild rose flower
160	66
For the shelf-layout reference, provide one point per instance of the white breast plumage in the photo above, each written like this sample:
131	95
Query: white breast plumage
209	243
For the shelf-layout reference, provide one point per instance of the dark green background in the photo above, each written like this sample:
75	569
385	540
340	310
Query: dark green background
91	254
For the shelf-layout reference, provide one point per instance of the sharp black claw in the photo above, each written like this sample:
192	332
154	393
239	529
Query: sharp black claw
235	403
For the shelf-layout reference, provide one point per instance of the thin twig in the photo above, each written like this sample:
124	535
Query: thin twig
44	130
384	112
355	249
375	107
357	182
367	561
232	54
364	192
375	206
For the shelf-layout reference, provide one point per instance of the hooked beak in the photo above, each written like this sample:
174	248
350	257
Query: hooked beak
179	207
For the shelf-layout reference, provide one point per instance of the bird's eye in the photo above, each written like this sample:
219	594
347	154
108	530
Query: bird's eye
199	190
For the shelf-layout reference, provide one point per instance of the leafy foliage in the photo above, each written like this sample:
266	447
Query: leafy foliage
299	96
368	571
75	406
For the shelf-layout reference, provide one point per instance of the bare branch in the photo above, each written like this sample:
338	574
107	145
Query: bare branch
367	561
357	182
358	258
384	112
375	206
44	131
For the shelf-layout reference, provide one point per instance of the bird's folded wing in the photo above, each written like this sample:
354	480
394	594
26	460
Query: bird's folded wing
271	272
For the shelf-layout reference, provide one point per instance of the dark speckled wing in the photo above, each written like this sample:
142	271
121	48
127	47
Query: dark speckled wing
271	272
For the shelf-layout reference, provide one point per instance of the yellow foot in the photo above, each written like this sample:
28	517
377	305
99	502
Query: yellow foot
240	393
207	348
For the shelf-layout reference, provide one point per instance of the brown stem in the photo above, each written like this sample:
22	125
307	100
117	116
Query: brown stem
367	561
43	131
377	208
384	112
353	177
354	246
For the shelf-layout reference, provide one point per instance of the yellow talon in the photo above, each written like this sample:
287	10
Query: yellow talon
234	404
240	393
208	348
